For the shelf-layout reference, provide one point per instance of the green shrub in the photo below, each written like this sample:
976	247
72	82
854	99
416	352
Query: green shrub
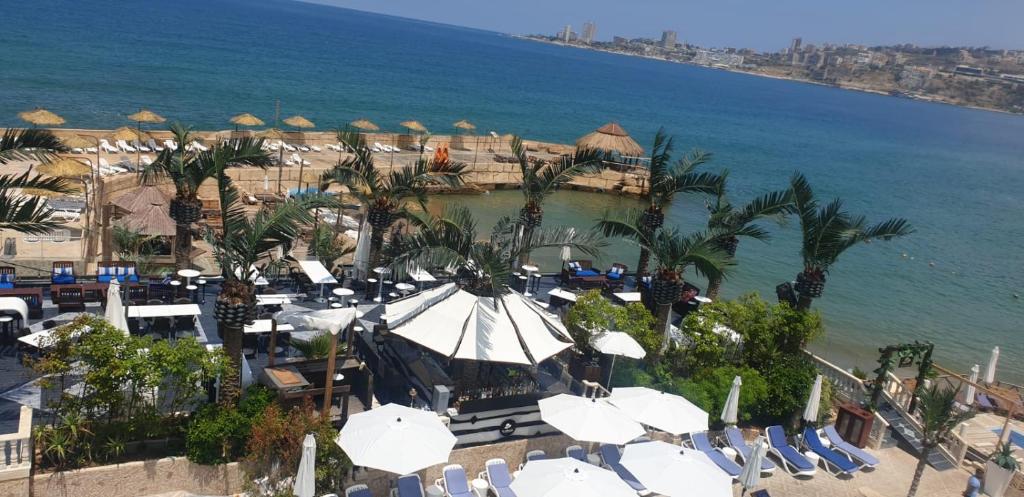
716	383
218	435
592	312
789	382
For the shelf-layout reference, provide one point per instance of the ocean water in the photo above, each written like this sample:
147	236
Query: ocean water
956	173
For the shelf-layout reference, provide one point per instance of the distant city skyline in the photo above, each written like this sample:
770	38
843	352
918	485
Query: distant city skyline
735	23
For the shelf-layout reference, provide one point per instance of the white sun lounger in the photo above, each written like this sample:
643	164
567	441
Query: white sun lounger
153	145
315	148
170	145
145	160
107	147
139	146
125	147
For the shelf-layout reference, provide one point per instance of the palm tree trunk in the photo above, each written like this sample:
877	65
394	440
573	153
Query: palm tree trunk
182	246
919	471
714	286
641	265
376	244
803	302
664	316
230	382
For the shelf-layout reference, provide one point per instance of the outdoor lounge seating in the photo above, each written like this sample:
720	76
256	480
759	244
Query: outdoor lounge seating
454	482
7	276
854	452
835	462
63	273
71	300
498	478
792	460
576	452
735	438
33	297
616	275
358	491
610	457
408	486
703	444
123	271
581	274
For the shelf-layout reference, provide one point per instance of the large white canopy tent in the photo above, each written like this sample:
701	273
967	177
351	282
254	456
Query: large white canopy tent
460	325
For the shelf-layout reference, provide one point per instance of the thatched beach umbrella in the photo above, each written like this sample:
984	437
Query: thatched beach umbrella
125	133
469	127
611	138
77	141
41	117
246	119
152	220
364	125
138	199
414	126
144	116
301	123
464	125
65	167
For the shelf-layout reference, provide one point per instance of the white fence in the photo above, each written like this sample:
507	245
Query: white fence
16	449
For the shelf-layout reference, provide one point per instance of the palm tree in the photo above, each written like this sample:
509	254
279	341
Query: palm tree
385	194
482	267
731	222
541	178
666	180
827	232
939	415
243	242
673	253
23	213
185	169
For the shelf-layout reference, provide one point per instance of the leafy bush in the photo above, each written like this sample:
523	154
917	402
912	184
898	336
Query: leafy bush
789	382
716	383
219	434
1004	458
592	312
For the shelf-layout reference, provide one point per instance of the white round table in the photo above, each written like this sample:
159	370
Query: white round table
175	283
405	288
530	269
343	292
188	274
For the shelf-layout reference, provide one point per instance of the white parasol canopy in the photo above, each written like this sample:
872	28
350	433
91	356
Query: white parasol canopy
813	401
114	313
329	320
568	477
396	439
305	479
990	369
589	420
673	471
460	325
730	411
751	472
667	412
361	258
618	343
970	391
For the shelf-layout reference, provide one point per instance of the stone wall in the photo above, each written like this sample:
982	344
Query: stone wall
132	480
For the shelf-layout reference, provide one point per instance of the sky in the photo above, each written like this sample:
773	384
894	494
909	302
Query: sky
758	24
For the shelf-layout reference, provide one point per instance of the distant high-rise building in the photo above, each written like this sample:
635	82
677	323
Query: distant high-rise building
566	34
668	39
795	46
589	31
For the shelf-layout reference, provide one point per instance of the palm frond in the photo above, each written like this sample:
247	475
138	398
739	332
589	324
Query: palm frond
26	144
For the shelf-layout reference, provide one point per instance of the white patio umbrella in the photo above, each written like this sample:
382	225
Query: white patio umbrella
114	313
305	479
396	439
990	369
329	320
667	412
674	471
751	473
568	477
731	409
813	400
361	258
617	343
970	391
589	420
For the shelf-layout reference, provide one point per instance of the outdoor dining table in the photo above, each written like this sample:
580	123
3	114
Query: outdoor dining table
318	274
627	297
155	311
263	326
561	296
285	378
273	299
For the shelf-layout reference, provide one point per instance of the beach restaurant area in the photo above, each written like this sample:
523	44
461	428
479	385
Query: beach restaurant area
162	337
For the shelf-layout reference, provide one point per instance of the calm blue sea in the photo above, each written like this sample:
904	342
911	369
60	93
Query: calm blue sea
957	174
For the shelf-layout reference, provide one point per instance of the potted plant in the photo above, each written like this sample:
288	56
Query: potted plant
999	471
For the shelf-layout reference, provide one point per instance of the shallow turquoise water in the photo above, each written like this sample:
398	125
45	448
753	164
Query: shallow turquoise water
957	174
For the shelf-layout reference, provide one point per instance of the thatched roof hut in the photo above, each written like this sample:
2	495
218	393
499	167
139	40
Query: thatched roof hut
138	199
153	220
611	138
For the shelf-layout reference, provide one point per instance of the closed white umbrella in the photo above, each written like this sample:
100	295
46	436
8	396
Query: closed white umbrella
114	313
990	369
568	477
674	471
361	258
667	412
589	420
970	391
730	412
751	473
396	439
617	343
305	479
813	400
329	320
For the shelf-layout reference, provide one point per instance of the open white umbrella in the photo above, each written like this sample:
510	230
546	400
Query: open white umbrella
305	479
990	369
813	400
114	313
568	477
667	412
751	473
674	471
730	412
617	343
970	391
329	320
396	439
589	420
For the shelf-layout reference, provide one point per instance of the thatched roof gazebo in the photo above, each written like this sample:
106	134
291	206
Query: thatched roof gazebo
152	220
138	199
611	138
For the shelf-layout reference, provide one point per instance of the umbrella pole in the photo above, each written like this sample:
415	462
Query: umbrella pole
280	168
329	380
611	370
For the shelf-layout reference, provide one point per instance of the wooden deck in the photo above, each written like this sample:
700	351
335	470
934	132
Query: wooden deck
979	435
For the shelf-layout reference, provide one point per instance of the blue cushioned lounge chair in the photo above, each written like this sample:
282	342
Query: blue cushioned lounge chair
702	443
498	478
856	453
610	457
408	486
576	452
358	491
792	460
454	482
735	438
835	462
